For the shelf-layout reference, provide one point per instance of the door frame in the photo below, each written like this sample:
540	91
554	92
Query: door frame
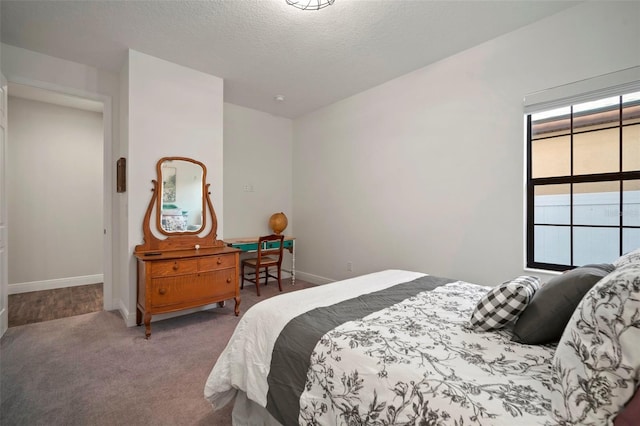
4	234
108	179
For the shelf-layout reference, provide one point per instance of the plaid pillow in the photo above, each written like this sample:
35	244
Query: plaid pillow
503	304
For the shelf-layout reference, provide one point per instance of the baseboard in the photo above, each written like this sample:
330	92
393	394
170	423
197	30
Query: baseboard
56	283
313	279
128	317
4	321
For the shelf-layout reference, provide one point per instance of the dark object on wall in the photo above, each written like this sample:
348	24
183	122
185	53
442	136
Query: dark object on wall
121	175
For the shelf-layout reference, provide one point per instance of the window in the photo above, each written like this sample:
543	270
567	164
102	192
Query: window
583	182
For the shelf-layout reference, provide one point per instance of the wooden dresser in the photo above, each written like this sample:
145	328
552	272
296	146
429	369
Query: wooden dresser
182	268
170	281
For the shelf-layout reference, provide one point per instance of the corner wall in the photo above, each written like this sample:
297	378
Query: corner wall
426	172
173	111
55	196
258	149
32	68
258	153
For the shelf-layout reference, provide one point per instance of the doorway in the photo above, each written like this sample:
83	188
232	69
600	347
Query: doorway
58	196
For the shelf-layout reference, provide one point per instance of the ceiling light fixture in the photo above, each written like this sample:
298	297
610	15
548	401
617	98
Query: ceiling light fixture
310	4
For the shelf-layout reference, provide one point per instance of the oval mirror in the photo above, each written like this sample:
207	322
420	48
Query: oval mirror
181	199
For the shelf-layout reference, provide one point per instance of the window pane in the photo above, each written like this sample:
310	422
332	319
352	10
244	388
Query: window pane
596	203
597	114
552	204
631	203
552	244
631	148
595	245
593	107
596	152
551	157
631	108
630	239
551	123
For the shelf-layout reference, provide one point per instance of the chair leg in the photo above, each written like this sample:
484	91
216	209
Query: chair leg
280	279
266	275
242	273
257	281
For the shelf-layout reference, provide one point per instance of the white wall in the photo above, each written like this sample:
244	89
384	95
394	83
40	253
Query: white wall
55	195
47	72
172	111
257	152
425	172
122	253
21	64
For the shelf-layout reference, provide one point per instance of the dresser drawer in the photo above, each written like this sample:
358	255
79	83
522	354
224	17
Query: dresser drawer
193	290
173	267
177	290
225	283
212	263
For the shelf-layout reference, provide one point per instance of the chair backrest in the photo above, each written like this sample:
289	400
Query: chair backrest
271	245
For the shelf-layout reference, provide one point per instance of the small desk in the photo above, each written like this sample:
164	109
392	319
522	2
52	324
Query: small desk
250	244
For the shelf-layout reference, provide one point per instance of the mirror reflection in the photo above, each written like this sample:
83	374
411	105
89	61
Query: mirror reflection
182	202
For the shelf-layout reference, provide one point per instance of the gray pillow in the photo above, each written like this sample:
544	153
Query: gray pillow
545	318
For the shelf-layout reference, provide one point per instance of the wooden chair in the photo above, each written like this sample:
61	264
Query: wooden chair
270	248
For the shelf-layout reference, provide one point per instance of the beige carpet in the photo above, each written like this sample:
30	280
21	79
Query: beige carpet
93	370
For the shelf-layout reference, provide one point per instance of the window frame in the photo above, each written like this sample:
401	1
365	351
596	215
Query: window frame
572	179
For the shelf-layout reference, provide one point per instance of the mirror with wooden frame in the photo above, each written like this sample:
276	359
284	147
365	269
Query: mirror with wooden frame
182	208
181	204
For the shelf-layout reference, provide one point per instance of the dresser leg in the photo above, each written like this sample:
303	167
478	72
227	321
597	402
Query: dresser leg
147	325
237	308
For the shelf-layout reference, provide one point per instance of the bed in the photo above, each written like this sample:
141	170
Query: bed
174	219
392	347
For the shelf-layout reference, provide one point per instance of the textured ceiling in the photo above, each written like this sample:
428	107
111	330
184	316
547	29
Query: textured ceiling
264	48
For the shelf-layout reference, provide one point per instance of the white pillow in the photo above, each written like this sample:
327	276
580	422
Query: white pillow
503	304
596	367
628	258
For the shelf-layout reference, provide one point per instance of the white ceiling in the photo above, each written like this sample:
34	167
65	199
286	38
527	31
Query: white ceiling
264	48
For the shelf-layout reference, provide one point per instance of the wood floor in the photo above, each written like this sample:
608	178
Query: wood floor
45	305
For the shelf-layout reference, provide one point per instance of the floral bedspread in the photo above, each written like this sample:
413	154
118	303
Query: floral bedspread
416	363
174	222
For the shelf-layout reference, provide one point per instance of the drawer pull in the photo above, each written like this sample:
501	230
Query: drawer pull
219	261
228	280
175	266
162	291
